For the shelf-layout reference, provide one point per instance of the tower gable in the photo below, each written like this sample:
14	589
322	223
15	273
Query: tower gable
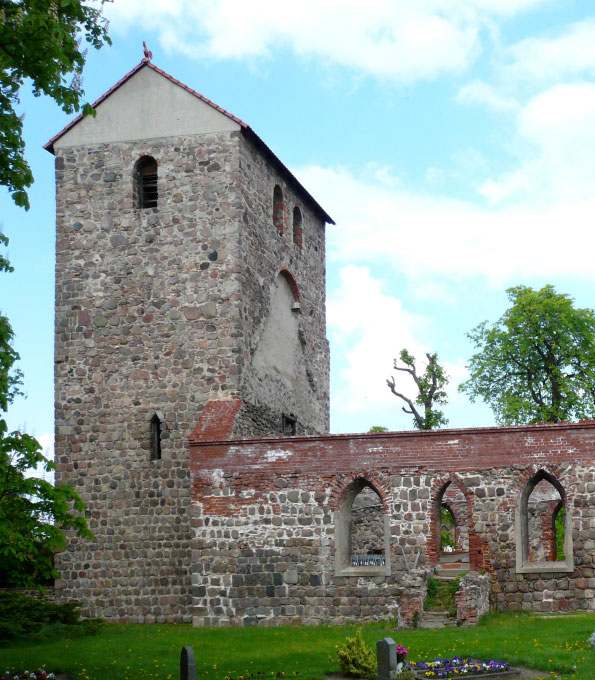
146	105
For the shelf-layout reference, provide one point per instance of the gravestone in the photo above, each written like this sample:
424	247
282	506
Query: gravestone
187	664
386	655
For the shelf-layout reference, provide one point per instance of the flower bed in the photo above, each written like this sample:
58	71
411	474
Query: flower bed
457	667
27	675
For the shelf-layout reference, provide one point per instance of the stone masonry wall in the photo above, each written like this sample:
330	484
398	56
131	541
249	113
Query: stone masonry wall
264	520
268	251
144	300
154	315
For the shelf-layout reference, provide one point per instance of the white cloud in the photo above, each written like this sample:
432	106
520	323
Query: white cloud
431	237
559	163
47	448
545	60
368	328
479	92
397	41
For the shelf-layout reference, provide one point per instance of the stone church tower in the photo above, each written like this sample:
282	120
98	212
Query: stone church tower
190	266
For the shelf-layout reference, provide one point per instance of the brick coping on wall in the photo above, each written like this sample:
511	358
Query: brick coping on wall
399	434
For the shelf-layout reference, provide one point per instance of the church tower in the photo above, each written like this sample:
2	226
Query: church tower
190	266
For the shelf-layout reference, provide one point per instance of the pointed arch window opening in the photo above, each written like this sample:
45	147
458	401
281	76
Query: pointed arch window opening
362	532
543	527
452	523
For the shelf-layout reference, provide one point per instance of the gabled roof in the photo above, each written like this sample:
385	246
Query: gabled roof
246	130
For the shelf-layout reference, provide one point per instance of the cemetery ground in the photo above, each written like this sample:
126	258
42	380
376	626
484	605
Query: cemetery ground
556	645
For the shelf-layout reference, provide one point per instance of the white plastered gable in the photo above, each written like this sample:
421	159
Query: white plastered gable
147	106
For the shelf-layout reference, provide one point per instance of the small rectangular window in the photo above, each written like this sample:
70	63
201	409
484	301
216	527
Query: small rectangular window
289	424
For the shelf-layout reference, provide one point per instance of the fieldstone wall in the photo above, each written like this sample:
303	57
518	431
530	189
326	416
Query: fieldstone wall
265	519
473	598
160	310
294	376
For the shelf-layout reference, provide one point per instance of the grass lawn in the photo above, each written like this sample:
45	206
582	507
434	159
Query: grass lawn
556	645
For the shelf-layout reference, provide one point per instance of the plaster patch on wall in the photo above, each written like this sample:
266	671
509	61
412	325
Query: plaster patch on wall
217	476
279	454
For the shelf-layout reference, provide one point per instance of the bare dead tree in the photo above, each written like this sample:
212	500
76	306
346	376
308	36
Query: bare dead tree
430	391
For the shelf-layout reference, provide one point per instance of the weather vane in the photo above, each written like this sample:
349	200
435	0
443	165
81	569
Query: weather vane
147	51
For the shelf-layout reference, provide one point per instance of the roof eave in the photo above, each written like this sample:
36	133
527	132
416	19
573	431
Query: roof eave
320	212
270	155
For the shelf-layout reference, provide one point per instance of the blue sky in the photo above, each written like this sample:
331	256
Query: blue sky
453	142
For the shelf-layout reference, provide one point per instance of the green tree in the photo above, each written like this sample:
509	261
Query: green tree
33	512
40	40
430	391
537	362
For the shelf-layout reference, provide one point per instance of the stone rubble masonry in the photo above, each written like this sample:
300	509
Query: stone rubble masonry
263	521
161	310
473	598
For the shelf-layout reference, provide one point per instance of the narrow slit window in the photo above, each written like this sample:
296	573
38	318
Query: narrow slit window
145	183
278	208
297	226
155	445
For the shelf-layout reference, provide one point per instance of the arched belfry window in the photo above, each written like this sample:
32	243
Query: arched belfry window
145	183
155	435
362	532
543	527
297	226
278	208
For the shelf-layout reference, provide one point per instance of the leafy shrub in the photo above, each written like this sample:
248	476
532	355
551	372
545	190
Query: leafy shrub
432	587
35	618
356	658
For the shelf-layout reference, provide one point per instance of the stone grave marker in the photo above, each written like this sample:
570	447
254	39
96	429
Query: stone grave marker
386	655
187	664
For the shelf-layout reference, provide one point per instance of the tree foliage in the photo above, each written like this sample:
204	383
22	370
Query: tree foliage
430	391
537	362
40	41
33	512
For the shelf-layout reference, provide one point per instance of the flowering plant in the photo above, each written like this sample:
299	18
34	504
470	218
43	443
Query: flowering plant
456	667
401	653
591	640
27	675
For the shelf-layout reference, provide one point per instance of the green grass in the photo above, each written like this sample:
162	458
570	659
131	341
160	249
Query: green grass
152	652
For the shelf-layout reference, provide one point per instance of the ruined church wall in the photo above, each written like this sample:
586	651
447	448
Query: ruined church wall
147	312
264	523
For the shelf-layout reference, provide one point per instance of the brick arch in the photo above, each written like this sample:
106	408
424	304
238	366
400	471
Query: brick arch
342	488
479	558
146	153
289	277
552	473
